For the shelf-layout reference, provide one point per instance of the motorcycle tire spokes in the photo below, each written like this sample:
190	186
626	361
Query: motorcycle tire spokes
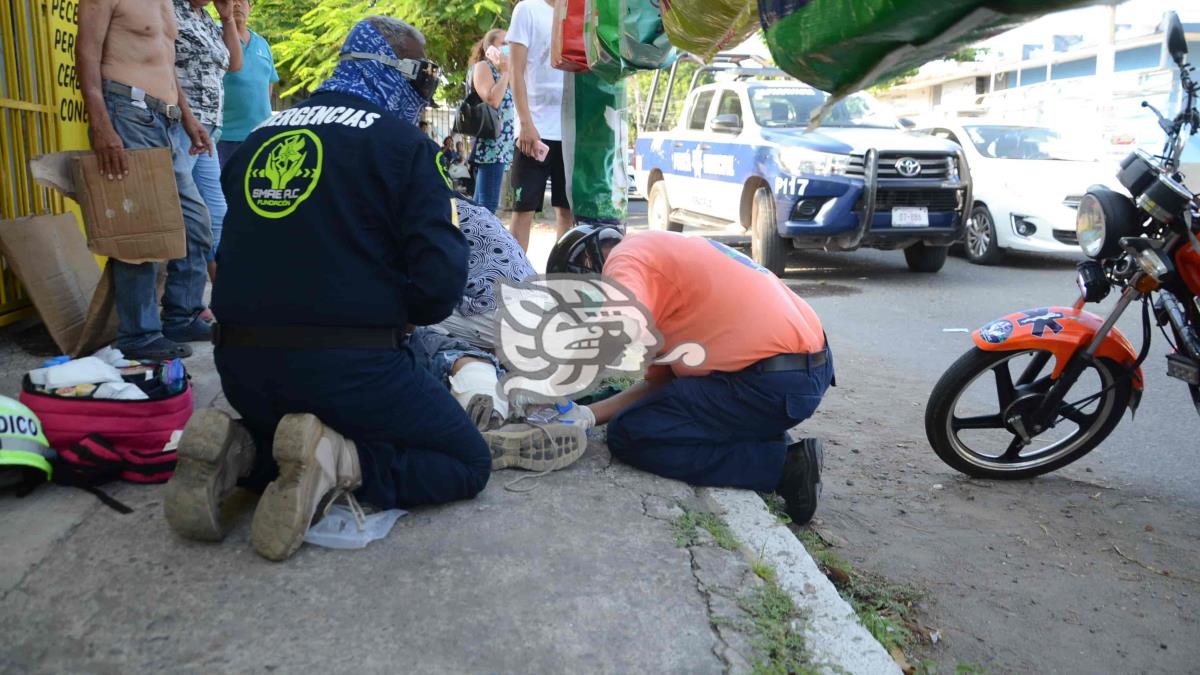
981	417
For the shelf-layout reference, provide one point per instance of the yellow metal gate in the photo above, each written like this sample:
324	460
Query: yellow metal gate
29	98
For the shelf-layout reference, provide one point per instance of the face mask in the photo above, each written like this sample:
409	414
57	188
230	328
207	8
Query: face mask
369	68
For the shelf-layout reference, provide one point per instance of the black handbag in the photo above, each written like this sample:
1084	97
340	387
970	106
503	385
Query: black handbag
475	117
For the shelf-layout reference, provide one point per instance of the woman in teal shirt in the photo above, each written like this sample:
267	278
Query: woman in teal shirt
248	91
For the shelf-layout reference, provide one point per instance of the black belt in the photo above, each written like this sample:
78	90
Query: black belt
168	110
783	362
308	337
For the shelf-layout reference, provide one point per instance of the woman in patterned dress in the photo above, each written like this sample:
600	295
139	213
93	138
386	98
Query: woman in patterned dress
204	52
490	77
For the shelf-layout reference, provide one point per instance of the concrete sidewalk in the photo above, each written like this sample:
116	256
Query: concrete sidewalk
582	573
594	569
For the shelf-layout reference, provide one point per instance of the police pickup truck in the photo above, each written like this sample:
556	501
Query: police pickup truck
740	159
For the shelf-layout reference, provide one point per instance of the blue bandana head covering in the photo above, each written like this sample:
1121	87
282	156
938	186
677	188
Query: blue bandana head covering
382	85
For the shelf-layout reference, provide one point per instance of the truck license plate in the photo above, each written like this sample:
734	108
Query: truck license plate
910	216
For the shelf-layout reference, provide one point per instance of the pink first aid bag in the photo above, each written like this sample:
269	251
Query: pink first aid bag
135	430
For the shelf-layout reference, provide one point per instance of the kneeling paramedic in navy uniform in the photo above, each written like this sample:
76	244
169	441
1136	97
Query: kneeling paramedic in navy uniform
340	234
721	421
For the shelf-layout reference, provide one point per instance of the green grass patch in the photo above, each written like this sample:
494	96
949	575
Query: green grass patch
775	623
777	628
763	570
885	609
687	529
620	383
776	506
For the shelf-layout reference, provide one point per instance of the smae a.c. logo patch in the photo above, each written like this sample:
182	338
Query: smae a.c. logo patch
283	173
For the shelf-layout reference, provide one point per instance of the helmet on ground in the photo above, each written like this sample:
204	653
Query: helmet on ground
24	453
582	249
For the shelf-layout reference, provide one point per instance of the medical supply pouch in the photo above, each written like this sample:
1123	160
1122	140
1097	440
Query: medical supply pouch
134	432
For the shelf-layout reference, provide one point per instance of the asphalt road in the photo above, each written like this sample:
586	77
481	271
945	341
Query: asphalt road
870	299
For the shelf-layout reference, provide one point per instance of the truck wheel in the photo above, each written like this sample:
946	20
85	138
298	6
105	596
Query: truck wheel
658	209
925	258
766	246
981	245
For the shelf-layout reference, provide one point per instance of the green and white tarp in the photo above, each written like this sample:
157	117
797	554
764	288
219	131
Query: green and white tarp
594	140
841	46
619	37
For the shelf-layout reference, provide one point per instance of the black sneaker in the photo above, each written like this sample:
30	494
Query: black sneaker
198	330
161	349
800	485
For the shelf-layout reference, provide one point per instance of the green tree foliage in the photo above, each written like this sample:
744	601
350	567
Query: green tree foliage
305	35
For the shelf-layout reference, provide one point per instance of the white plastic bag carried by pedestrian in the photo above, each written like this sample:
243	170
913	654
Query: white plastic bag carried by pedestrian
340	529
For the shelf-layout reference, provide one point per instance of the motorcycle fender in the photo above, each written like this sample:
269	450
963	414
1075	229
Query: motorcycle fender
1062	331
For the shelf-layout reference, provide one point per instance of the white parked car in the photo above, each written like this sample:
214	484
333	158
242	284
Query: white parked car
1027	185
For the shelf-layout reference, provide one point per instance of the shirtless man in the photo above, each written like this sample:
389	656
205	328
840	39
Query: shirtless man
125	53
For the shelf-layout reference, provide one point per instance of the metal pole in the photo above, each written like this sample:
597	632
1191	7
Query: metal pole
662	114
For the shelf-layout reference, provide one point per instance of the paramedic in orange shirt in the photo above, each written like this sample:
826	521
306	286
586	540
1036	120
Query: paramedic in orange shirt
766	365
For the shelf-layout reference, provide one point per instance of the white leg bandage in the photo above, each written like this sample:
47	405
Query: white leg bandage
478	378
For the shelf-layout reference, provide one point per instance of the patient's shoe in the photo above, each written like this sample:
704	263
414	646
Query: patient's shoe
475	388
214	451
317	465
547	447
481	408
563	413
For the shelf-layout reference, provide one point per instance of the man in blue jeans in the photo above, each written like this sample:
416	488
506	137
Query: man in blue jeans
126	60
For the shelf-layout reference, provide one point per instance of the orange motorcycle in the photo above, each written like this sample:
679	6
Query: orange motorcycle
1043	387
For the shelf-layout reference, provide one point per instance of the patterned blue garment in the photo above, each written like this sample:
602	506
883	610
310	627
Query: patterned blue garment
499	150
494	255
382	85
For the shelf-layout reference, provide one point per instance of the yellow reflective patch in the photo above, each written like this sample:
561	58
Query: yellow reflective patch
454	211
442	170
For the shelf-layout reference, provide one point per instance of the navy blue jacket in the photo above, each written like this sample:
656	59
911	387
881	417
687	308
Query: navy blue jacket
339	215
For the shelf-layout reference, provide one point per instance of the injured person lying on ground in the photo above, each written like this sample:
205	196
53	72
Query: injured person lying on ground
343	231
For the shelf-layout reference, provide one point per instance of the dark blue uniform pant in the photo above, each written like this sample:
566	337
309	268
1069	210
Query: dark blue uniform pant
415	443
722	429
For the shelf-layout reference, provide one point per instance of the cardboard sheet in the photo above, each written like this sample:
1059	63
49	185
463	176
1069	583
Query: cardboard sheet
136	219
73	297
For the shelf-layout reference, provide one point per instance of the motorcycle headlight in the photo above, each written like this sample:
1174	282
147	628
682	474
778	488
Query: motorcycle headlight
805	162
1089	226
1104	217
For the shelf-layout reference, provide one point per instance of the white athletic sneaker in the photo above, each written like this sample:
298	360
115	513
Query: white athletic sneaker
568	413
317	465
548	447
214	451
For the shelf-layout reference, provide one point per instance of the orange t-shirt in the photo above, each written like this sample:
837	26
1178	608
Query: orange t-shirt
703	292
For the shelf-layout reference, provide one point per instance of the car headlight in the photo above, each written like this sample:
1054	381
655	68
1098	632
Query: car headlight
1104	217
805	162
952	168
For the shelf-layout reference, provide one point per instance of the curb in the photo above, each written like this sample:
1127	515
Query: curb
833	635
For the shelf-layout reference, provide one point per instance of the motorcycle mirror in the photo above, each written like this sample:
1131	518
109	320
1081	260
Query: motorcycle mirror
1176	39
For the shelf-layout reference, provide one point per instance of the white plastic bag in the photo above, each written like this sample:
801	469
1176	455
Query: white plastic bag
339	529
90	370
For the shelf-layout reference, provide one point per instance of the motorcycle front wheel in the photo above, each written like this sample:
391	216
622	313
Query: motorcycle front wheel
979	418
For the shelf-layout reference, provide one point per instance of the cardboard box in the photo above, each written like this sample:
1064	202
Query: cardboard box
73	297
135	219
